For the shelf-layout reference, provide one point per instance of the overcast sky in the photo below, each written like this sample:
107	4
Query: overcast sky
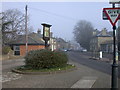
62	15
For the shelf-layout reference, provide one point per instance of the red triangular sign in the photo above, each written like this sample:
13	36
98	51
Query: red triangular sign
112	14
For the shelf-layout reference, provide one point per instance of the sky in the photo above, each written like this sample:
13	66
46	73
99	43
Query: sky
63	16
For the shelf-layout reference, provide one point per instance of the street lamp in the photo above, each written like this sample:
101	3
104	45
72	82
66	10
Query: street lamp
46	34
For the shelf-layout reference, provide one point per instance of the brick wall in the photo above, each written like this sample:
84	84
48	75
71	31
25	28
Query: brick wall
30	47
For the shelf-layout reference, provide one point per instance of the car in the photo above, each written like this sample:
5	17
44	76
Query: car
84	50
64	50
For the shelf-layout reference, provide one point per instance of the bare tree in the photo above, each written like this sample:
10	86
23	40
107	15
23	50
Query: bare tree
13	23
30	29
83	33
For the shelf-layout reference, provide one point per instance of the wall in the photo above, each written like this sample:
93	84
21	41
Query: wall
10	55
30	47
103	39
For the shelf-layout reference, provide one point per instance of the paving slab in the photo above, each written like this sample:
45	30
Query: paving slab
85	82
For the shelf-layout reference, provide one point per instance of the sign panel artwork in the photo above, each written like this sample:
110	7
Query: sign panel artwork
46	32
113	14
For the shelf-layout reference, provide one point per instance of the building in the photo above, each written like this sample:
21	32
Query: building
52	42
61	44
19	46
107	46
35	42
101	41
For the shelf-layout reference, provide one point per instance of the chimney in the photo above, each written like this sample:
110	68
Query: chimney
51	34
104	31
39	31
95	32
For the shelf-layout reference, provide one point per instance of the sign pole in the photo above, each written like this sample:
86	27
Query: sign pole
46	44
113	14
114	65
114	84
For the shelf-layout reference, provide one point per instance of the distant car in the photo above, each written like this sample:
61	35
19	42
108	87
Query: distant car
84	50
65	50
69	50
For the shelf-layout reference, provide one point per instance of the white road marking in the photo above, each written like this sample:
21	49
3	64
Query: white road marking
85	82
9	76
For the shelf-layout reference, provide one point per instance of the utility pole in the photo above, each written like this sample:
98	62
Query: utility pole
26	29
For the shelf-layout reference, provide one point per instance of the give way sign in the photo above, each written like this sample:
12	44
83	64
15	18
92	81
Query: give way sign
113	14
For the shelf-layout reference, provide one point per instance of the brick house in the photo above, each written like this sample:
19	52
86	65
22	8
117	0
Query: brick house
35	42
19	47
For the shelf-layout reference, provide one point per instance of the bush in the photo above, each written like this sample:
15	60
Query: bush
5	50
39	59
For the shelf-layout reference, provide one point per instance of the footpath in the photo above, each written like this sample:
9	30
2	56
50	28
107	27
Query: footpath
83	77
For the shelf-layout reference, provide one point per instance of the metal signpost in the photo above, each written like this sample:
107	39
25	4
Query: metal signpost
113	14
46	34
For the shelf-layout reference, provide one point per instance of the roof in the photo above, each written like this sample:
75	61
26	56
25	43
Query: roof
101	35
60	40
36	35
33	39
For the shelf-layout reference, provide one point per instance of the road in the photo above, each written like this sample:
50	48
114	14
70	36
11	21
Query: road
7	66
102	66
83	58
89	67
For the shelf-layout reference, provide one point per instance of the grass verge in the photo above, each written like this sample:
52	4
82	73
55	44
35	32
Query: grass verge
27	69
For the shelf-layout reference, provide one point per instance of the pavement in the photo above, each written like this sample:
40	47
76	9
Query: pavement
83	77
105	60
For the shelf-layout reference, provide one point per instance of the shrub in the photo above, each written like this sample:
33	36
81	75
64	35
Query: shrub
39	59
5	50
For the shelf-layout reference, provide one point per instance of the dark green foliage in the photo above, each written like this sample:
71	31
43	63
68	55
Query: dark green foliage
39	59
5	50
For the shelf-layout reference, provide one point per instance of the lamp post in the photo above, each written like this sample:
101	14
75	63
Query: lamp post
46	34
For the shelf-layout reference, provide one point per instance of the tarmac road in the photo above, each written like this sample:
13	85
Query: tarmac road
86	68
83	58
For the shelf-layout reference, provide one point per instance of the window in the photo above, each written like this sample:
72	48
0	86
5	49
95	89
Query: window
16	50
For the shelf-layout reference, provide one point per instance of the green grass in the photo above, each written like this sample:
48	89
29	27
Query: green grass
26	69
